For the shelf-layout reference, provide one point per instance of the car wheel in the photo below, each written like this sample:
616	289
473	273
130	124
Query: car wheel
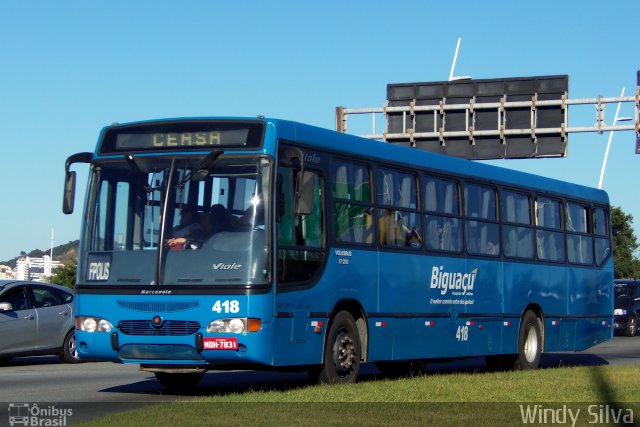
70	349
632	327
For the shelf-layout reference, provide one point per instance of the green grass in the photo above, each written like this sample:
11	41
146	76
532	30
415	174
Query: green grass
442	399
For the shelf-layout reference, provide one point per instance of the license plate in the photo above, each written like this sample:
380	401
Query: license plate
220	343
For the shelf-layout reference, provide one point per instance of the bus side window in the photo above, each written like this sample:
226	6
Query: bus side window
399	224
352	208
601	232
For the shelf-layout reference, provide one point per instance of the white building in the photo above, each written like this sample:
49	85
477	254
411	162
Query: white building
37	269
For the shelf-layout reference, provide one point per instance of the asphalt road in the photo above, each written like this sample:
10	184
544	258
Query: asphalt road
114	387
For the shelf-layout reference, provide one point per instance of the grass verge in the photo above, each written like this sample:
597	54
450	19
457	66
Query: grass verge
599	394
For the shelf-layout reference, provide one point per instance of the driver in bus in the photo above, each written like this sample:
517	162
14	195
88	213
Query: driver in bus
189	232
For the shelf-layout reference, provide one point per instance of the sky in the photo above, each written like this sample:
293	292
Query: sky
68	68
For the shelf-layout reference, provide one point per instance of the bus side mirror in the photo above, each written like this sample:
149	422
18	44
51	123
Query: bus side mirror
70	180
305	189
69	192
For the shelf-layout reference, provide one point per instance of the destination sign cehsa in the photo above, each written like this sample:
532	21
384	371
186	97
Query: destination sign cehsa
159	140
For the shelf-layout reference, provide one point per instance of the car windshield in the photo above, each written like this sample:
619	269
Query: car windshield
624	290
165	221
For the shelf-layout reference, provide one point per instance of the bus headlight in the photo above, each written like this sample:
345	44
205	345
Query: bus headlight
93	324
234	325
216	326
619	312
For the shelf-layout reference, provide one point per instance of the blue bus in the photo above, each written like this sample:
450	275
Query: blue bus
255	243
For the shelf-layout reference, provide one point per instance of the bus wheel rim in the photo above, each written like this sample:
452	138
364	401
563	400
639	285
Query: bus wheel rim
531	345
344	353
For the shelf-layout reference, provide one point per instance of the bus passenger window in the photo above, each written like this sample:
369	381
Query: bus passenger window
517	230
601	231
399	224
549	237
443	230
579	239
352	208
481	227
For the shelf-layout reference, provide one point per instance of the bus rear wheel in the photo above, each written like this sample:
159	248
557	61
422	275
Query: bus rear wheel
179	381
529	342
341	352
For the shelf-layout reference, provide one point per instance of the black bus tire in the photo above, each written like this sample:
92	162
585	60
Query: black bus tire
529	342
341	352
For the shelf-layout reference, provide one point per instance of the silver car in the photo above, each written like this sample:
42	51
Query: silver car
36	319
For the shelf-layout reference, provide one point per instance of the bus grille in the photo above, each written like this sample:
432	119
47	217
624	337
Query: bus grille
169	327
158	306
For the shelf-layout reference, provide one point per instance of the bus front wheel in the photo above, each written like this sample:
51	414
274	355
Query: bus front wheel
529	342
341	352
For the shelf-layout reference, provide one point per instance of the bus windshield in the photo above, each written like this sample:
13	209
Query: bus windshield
178	222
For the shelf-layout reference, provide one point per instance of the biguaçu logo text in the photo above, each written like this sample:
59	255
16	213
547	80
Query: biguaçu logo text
452	281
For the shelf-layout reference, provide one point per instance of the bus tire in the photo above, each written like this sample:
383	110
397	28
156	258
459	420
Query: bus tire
632	327
179	381
529	342
341	360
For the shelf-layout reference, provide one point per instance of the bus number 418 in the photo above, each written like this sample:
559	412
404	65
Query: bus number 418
462	334
226	306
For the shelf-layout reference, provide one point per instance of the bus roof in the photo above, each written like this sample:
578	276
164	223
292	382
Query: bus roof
377	150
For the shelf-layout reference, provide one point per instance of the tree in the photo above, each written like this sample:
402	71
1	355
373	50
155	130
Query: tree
65	275
624	245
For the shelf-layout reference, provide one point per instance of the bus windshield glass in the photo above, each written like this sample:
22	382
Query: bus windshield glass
178	222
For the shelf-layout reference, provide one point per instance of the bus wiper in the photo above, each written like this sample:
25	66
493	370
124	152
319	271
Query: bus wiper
133	164
202	170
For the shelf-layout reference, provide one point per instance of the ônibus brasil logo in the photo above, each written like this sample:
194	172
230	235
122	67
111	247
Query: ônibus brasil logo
457	283
26	414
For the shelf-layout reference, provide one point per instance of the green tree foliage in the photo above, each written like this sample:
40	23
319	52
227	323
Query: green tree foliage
624	245
65	275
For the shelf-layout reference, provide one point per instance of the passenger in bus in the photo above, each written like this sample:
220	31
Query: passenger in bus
188	234
492	248
220	219
393	231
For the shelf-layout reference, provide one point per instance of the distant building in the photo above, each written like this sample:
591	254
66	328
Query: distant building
37	269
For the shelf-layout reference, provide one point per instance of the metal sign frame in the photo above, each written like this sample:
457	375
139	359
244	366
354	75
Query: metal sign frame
409	113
